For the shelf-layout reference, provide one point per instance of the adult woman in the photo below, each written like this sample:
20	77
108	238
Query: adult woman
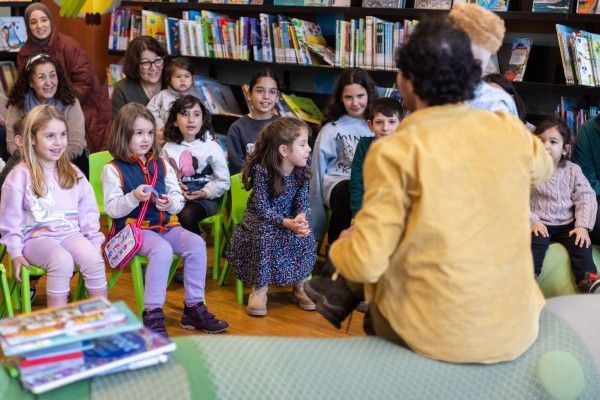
42	37
143	65
43	81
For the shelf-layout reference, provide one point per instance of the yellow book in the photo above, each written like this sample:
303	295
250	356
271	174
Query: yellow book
304	108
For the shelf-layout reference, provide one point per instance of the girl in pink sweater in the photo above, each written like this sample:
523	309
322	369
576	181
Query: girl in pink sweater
48	212
563	209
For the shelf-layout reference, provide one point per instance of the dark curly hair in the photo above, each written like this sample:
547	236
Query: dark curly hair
439	62
64	91
282	131
509	88
133	54
172	132
335	106
562	128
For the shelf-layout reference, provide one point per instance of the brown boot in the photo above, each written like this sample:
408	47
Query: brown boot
257	302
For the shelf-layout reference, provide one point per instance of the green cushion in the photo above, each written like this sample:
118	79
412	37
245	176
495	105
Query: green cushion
561	375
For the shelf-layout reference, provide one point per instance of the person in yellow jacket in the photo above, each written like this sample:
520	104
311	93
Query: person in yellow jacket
442	242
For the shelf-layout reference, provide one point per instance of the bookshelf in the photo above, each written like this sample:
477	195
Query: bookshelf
544	81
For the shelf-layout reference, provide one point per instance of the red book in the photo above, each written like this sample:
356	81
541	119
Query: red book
27	363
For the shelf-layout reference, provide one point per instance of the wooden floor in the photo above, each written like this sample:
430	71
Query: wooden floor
284	317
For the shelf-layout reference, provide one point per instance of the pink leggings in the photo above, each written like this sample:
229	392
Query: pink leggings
58	256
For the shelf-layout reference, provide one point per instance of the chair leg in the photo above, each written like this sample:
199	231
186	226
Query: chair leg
8	309
174	265
239	291
25	294
217	233
138	283
224	272
80	292
114	277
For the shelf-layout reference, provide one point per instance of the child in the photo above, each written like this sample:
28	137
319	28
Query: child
198	160
384	120
343	126
125	182
263	94
274	244
178	76
563	209
48	212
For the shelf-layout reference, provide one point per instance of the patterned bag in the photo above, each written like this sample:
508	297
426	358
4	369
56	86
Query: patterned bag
121	247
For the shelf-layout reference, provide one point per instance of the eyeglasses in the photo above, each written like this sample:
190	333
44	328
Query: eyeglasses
261	91
158	62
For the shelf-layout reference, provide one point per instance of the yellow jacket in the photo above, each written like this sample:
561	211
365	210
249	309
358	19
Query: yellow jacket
443	236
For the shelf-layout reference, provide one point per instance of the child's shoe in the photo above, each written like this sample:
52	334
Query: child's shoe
300	297
257	302
155	321
590	283
198	317
334	298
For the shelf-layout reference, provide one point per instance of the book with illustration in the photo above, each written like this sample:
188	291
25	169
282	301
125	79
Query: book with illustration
13	34
587	7
583	59
433	4
551	6
563	33
518	59
384	3
304	108
494	5
153	24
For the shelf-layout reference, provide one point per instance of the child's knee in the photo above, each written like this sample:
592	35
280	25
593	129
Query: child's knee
60	262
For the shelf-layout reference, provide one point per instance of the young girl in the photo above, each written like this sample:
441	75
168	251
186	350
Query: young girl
274	244
125	182
178	76
563	209
263	94
48	212
198	160
343	126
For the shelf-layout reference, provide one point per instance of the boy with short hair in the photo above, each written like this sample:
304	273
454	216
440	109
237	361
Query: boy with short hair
385	118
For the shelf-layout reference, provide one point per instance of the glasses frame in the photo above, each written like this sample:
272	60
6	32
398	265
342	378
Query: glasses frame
157	62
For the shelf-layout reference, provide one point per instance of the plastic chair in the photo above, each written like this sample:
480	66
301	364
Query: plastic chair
218	231
239	199
6	300
97	162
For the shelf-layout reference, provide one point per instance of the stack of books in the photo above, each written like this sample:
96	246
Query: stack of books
580	53
53	347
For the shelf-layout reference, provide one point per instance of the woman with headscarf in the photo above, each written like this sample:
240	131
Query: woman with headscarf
43	37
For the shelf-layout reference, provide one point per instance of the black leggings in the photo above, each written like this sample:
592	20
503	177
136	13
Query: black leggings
341	214
193	212
82	162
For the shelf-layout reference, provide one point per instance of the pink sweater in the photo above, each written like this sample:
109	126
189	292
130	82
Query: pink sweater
61	213
566	197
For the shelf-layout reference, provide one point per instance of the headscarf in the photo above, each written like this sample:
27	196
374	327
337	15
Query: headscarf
30	38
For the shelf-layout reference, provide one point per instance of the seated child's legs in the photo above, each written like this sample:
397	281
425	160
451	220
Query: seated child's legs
581	257
90	263
58	263
595	232
192	249
539	246
191	215
341	214
160	255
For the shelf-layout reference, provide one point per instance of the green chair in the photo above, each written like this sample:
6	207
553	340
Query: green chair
6	300
218	231
96	163
239	199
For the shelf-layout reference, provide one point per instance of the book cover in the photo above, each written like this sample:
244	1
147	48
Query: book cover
13	34
563	32
135	26
288	2
551	6
73	322
587	7
494	5
518	59
223	99
492	66
583	60
594	42
153	24
433	4
323	52
108	354
172	36
304	108
383	3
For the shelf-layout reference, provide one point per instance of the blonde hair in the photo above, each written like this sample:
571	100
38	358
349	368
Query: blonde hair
38	118
122	131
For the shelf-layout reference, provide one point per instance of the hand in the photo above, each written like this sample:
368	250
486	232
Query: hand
582	237
346	233
183	187
198	194
539	229
162	202
302	226
140	195
294	226
17	264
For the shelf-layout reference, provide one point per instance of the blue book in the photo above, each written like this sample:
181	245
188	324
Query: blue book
74	322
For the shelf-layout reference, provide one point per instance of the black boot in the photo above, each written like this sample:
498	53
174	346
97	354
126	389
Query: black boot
334	298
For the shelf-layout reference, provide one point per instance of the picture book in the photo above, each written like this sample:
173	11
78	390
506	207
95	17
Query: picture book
108	354
583	60
563	33
594	42
73	322
518	59
494	5
323	52
433	4
383	3
13	34
172	36
304	108
587	7
551	6
221	98
153	24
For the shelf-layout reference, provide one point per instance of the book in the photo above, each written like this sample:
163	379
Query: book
172	36
494	5
492	66
108	354
73	322
551	6
583	60
13	34
383	3
323	52
587	7
518	59
563	33
153	24
594	41
433	4
304	108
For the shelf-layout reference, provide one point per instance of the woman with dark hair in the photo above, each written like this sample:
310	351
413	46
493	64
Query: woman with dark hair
43	37
43	81
143	65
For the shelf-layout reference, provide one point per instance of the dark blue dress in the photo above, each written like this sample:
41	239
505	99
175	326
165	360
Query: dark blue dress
261	250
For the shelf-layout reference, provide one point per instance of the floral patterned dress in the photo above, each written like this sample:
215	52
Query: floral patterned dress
261	250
